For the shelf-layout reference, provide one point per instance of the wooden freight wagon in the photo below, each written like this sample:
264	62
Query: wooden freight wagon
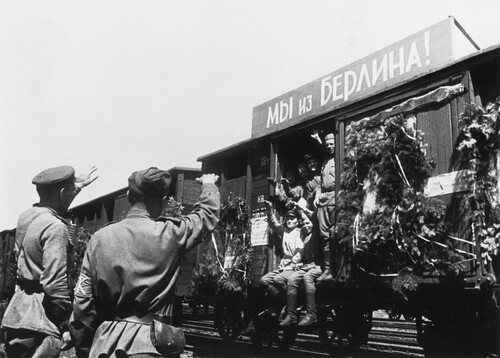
8	261
429	79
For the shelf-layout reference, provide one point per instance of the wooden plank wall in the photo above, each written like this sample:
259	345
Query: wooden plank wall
121	207
7	243
440	127
259	263
235	186
192	191
184	286
259	187
436	125
188	190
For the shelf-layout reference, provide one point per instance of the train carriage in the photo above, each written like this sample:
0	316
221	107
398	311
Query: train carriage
441	273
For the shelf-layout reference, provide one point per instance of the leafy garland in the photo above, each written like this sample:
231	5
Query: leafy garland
479	144
405	232
232	237
76	252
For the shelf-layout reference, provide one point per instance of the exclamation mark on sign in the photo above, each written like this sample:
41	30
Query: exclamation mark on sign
427	48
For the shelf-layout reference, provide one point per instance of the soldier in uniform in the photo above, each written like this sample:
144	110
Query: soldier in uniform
126	287
324	201
277	282
41	303
313	181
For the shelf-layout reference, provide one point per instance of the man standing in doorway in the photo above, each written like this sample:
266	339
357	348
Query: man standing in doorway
324	201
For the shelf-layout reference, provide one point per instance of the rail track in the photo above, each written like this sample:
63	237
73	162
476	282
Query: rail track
387	338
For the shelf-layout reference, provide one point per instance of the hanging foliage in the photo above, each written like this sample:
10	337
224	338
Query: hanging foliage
76	251
394	229
381	210
226	267
381	201
172	208
479	144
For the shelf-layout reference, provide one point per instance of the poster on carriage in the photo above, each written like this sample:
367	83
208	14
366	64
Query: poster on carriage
260	232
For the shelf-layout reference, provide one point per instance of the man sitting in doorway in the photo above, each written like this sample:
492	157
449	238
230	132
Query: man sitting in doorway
292	235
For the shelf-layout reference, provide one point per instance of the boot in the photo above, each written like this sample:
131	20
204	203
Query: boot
291	310
289	320
308	320
326	276
274	298
310	316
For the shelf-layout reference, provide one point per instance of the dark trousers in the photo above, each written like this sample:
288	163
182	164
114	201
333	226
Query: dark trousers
22	343
326	221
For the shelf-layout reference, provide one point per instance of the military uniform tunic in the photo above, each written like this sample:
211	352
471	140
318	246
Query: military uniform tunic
41	301
130	269
326	203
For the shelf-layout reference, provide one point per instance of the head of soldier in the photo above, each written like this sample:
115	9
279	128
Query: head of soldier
312	163
149	187
291	220
292	178
302	169
330	144
56	187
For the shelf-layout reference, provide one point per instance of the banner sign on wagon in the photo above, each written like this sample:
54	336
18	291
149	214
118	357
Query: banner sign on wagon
260	231
420	53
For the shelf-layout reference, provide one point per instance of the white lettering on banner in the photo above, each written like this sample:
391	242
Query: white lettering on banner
392	64
413	58
427	48
395	65
402	61
336	85
332	89
363	75
272	117
305	104
282	111
348	91
326	85
382	69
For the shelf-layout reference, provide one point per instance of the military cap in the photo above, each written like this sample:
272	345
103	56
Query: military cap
152	181
329	136
291	213
309	156
55	175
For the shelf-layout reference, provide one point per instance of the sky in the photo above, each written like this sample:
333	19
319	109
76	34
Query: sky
125	85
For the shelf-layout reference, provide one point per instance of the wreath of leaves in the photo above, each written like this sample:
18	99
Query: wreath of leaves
389	239
408	233
232	235
479	144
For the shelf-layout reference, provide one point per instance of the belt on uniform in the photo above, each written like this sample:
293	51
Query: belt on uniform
30	286
146	319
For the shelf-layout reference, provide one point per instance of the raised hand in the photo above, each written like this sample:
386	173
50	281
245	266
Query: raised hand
208	178
271	181
315	136
84	179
